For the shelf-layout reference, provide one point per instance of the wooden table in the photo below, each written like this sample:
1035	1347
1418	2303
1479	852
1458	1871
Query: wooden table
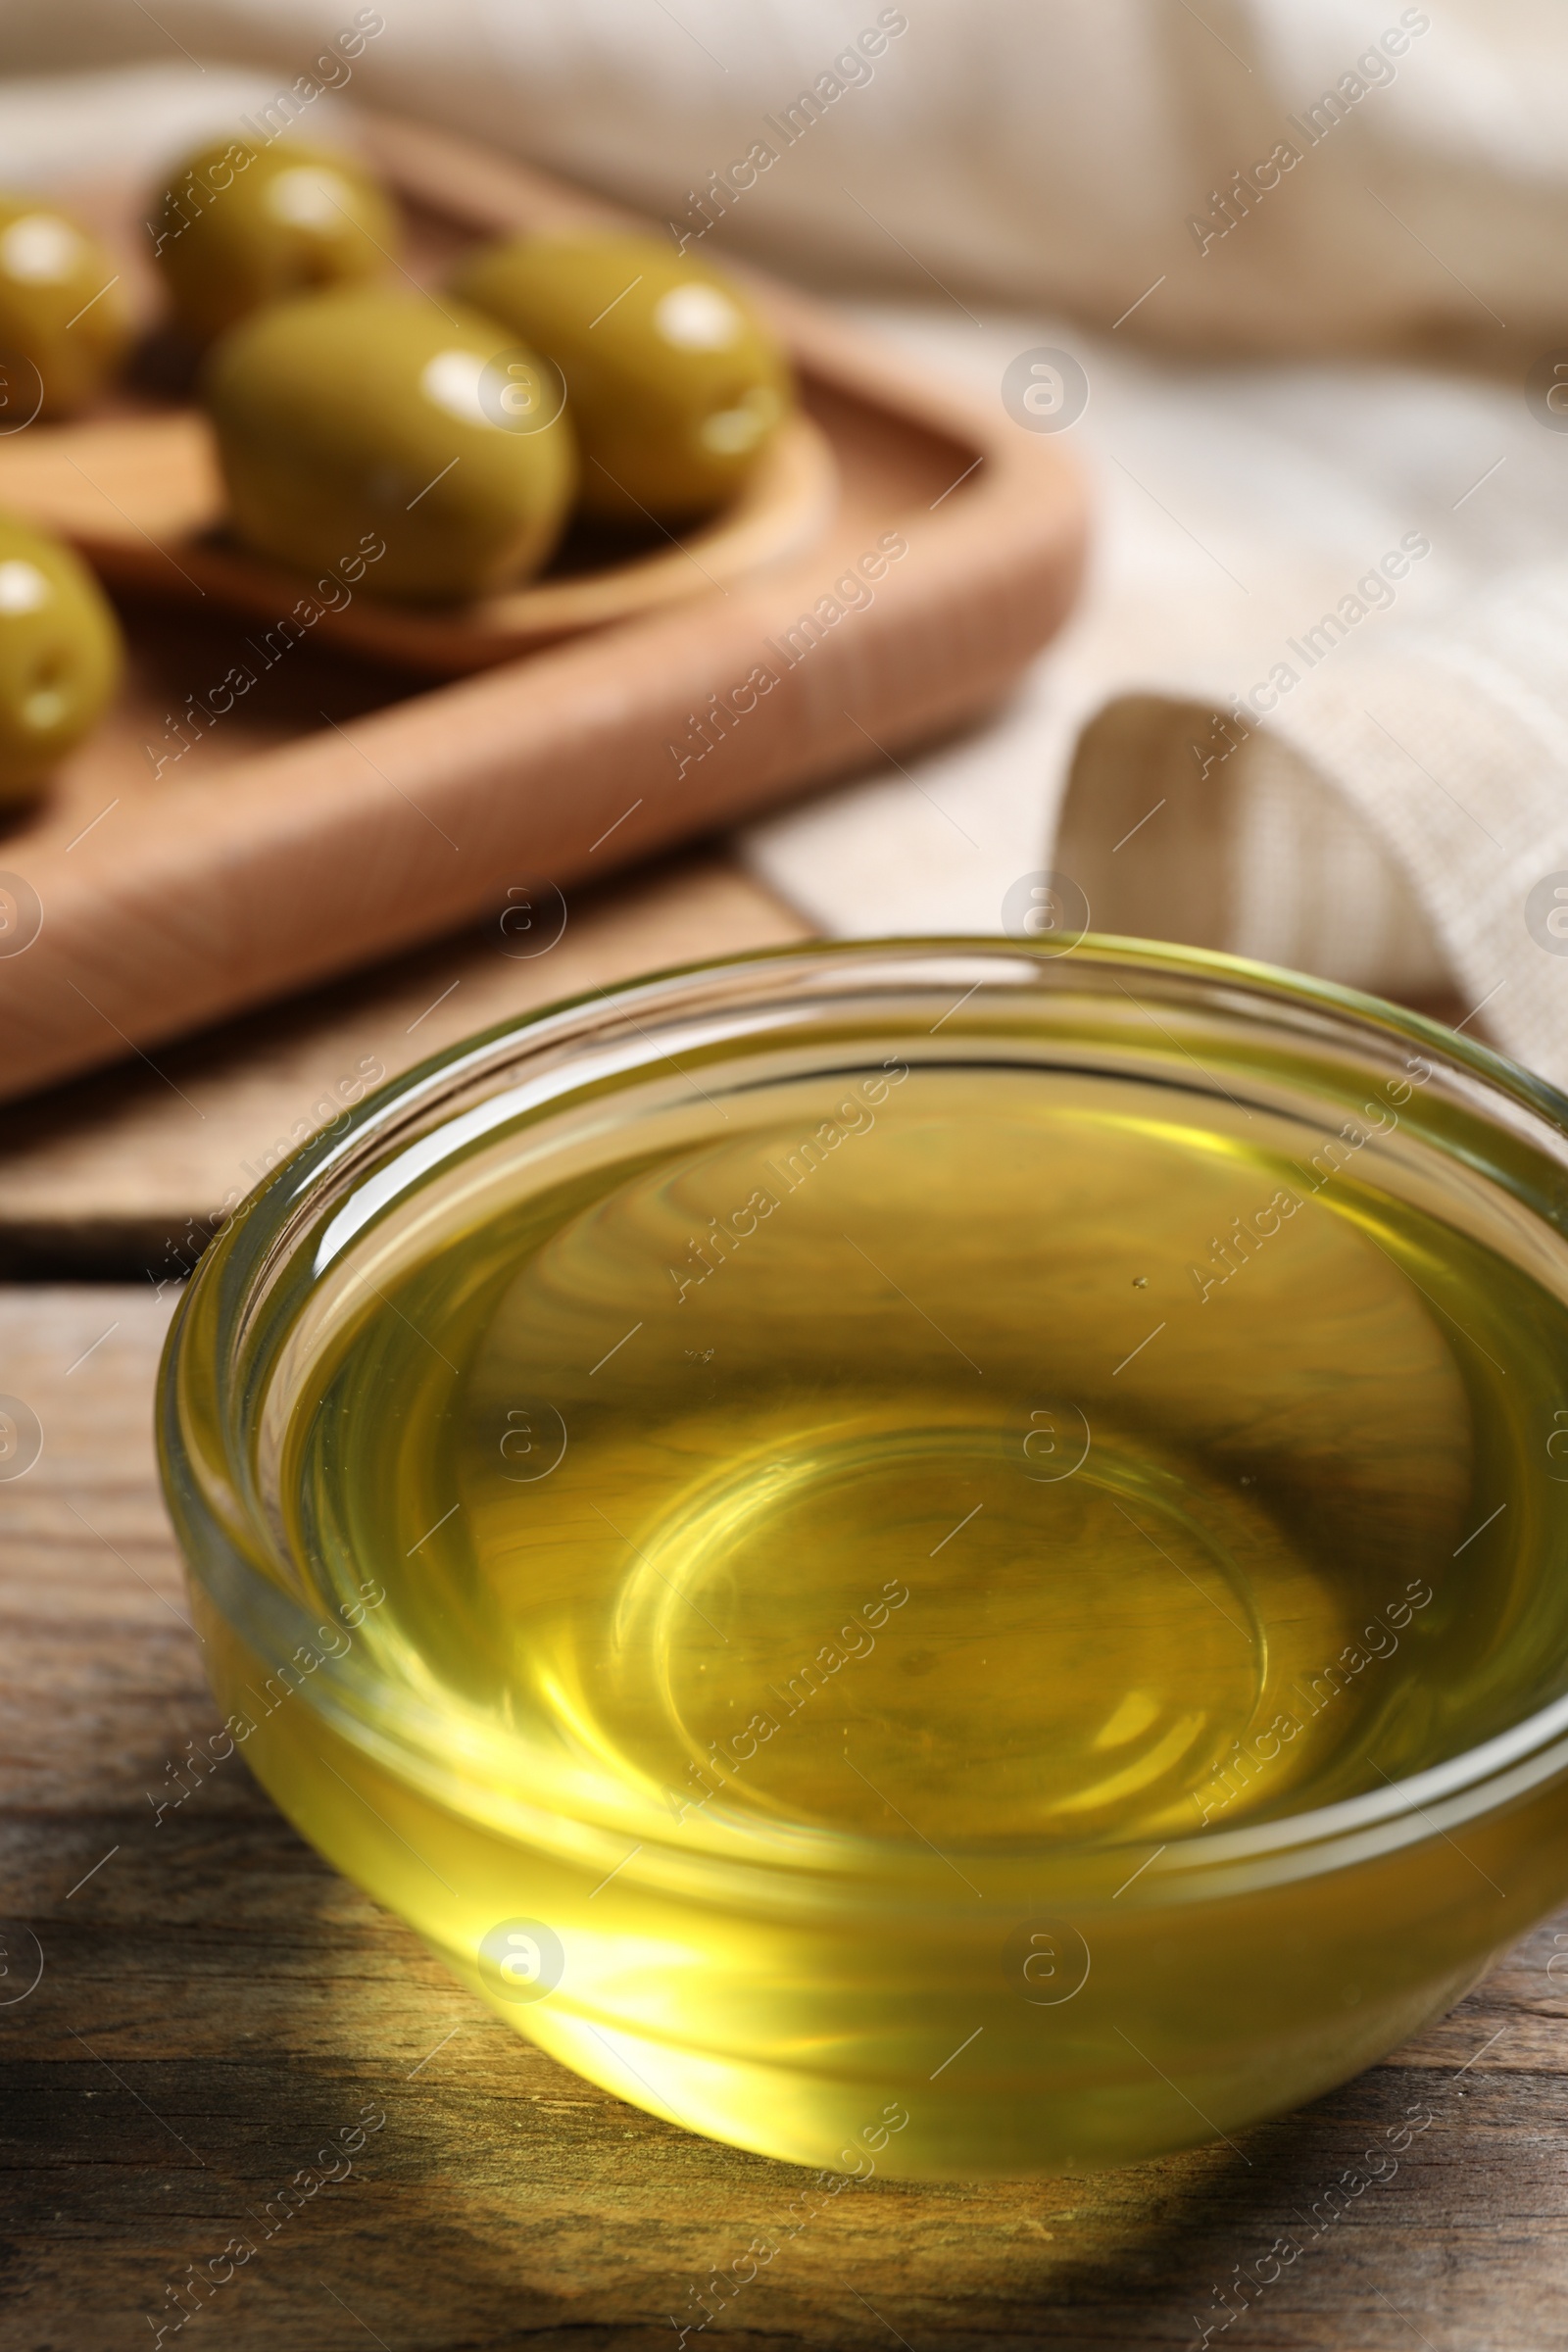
216	2006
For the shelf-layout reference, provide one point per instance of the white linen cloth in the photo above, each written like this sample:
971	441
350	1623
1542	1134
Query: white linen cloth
1273	410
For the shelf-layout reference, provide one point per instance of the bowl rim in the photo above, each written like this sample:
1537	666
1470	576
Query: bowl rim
1492	1773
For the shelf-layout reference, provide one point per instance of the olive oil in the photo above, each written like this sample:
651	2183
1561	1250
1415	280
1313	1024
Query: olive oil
1004	1474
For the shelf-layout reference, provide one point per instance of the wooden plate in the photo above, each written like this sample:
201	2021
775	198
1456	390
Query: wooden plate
208	849
143	499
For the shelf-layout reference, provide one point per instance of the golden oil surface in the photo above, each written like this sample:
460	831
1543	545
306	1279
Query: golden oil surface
966	1459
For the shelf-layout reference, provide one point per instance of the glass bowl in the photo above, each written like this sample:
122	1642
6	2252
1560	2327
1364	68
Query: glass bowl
710	1738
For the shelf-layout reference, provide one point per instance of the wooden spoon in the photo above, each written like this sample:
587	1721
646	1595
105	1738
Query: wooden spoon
143	499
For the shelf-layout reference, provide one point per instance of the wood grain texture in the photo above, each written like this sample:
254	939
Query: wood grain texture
215	2006
215	845
125	1172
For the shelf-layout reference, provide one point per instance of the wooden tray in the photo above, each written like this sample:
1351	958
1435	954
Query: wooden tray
191	863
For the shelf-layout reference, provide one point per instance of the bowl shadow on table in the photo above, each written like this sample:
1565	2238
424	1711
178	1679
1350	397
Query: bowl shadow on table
503	2200
219	2007
1313	2218
266	2021
1357	2215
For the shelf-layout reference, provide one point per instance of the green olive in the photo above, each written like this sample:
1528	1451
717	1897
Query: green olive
59	656
242	226
64	323
673	383
360	415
